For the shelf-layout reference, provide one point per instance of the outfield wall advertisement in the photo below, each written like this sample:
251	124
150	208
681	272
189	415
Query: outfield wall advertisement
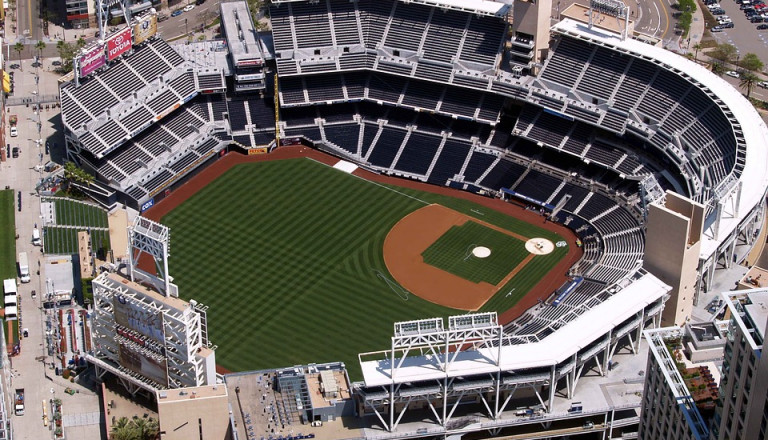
119	44
92	60
139	319
145	29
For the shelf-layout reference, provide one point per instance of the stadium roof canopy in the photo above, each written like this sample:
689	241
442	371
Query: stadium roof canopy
480	7
751	127
550	351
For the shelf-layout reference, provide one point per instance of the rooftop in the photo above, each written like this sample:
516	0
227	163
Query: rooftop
757	310
175	303
242	38
749	311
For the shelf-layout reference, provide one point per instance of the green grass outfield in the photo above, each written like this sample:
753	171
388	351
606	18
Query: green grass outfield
288	255
7	241
452	252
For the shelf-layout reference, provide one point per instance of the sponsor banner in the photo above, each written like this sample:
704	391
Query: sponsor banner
167	112
132	359
136	317
148	204
145	29
92	60
246	63
254	151
118	44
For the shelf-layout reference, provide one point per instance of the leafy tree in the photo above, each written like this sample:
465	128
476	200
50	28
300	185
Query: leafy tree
747	81
723	54
684	22
81	43
67	53
19	47
751	62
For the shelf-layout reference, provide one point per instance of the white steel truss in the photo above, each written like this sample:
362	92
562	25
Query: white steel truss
147	236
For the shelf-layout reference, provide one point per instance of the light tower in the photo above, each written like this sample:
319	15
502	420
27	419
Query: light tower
146	236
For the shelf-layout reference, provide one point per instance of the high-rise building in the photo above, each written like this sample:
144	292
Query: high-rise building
682	398
744	387
679	395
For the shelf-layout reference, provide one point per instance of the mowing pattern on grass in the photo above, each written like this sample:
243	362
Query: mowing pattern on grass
71	216
63	241
287	255
76	213
7	235
7	245
452	252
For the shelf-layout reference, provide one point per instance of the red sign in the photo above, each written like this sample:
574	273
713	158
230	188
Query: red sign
118	44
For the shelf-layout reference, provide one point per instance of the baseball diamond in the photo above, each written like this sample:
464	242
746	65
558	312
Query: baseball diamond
309	261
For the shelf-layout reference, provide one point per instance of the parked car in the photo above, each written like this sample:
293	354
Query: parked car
716	29
56	63
162	17
14	66
189	8
732	73
15	152
763	84
756	19
176	13
14	131
762	26
718	12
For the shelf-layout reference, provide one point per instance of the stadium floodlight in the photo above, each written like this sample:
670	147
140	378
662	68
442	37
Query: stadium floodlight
613	8
146	236
418	327
473	321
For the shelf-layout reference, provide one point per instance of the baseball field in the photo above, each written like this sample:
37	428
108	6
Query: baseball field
290	257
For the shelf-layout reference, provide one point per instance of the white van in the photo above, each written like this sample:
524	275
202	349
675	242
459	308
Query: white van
36	237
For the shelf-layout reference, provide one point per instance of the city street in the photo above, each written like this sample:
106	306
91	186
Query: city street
32	369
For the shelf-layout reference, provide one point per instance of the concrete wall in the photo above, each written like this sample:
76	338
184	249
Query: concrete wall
673	242
533	17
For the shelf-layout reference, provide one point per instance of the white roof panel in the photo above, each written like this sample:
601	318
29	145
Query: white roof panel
552	350
9	285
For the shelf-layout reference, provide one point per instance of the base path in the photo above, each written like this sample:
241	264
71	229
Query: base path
412	235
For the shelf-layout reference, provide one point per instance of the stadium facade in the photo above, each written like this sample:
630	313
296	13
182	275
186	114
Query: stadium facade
429	90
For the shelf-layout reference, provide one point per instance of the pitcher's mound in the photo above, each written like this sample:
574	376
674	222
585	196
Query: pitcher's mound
539	246
481	252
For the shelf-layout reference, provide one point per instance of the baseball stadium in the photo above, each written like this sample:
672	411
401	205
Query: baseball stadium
453	203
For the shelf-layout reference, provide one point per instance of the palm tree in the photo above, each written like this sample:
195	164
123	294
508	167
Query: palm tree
18	47
40	46
123	429
696	48
146	429
747	80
